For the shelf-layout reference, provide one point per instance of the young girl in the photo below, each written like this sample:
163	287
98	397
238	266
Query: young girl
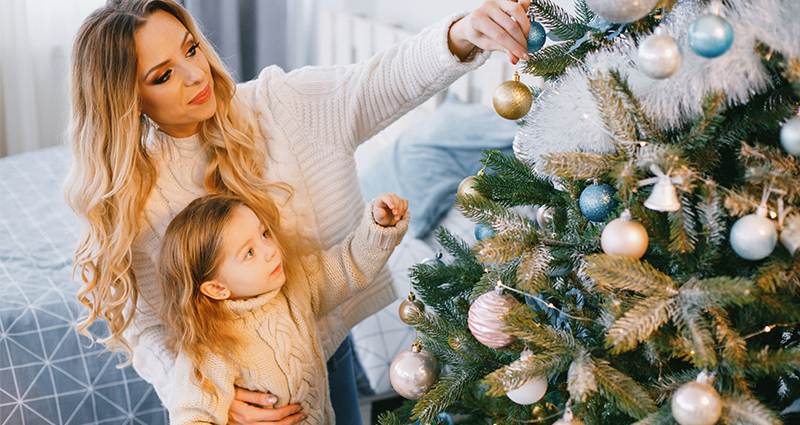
157	121
241	314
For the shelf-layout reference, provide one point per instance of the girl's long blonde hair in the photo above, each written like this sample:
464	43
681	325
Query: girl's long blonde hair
191	253
112	172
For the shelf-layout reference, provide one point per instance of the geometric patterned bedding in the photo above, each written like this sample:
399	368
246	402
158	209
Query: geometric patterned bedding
48	373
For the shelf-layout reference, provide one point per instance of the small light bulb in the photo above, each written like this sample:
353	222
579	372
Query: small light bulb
773	214
551	305
767	328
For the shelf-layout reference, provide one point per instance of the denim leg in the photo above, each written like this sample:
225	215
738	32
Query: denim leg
342	382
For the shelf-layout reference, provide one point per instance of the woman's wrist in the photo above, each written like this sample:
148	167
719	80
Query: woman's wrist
457	41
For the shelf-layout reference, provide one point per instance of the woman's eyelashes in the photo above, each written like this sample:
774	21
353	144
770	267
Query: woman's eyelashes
163	78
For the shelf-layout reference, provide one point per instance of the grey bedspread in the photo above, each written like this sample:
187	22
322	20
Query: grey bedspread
48	373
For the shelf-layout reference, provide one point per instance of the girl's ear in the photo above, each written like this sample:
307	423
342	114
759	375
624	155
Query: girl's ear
215	290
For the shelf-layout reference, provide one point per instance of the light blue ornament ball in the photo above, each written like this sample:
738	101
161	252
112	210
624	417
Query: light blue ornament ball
442	419
710	36
790	136
597	202
753	237
536	37
483	231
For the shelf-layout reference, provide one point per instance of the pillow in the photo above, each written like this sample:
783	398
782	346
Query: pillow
426	163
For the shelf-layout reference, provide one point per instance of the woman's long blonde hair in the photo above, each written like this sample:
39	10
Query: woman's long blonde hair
191	253
112	172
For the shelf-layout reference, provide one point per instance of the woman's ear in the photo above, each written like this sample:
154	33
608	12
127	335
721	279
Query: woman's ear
215	290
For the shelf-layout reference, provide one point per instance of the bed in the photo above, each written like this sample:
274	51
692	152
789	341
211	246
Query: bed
51	375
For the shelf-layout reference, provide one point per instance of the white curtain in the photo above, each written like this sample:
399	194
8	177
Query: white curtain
35	41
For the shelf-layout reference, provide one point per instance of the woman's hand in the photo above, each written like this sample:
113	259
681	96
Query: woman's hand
497	25
388	209
242	410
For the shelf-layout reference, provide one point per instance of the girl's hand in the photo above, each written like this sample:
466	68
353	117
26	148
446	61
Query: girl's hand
497	25
242	410
388	209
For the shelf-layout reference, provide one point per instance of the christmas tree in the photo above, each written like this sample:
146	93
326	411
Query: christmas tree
638	258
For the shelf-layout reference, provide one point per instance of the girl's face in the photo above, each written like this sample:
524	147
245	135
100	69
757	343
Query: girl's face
251	259
173	75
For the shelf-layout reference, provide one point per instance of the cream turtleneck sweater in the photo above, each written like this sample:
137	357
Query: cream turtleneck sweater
283	355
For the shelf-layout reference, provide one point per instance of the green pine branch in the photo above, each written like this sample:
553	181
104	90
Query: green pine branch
532	270
747	410
771	362
639	322
617	119
561	23
663	416
551	61
515	182
622	391
449	389
683	235
696	329
734	347
613	272
520	371
581	382
720	291
578	165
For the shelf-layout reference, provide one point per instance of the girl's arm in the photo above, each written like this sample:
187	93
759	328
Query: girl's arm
352	265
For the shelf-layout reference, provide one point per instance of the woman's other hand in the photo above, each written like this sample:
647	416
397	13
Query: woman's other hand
497	25
388	209
243	411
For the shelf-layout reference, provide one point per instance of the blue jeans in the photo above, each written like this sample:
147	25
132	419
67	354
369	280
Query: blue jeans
342	383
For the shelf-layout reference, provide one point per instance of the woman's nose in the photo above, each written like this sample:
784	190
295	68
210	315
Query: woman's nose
194	75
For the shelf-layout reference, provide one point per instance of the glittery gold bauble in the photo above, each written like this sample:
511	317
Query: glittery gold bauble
410	306
512	99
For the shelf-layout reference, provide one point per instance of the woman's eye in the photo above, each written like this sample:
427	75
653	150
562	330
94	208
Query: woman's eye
192	50
249	254
163	78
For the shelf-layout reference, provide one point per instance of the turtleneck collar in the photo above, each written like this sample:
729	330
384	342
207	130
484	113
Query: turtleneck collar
250	306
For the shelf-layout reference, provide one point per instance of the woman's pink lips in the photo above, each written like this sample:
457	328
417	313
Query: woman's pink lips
277	270
202	97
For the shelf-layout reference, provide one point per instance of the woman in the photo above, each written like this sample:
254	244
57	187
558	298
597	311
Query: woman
157	122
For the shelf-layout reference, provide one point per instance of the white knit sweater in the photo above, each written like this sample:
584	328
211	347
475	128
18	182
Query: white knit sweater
311	120
283	355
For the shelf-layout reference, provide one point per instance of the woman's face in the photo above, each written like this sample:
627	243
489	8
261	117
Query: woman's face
174	77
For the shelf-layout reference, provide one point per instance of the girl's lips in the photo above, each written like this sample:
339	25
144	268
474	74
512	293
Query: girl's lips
202	97
277	270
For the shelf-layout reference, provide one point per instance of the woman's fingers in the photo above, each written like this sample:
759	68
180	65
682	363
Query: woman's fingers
253	397
497	25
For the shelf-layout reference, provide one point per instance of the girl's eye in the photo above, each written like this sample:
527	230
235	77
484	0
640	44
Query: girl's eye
265	234
163	78
192	50
249	254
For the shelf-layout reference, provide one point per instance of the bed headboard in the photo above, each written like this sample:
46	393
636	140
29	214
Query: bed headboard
344	38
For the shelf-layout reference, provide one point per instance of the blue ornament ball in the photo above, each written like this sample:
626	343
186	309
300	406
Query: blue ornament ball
536	37
443	419
753	237
483	231
710	36
597	202
790	136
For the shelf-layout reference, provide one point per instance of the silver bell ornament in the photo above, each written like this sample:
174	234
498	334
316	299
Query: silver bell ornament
532	390
659	56
621	11
664	196
413	372
624	237
697	402
485	318
568	419
753	237
410	306
790	233
512	99
790	136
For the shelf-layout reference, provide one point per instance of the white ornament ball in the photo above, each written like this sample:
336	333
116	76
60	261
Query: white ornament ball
790	136
413	372
621	11
568	422
624	237
696	403
530	392
485	319
659	56
753	237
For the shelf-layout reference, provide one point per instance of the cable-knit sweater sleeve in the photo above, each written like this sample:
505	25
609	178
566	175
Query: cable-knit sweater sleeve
352	265
340	107
193	405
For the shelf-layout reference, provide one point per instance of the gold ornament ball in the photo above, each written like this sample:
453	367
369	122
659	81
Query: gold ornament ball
410	306
624	237
512	100
467	187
